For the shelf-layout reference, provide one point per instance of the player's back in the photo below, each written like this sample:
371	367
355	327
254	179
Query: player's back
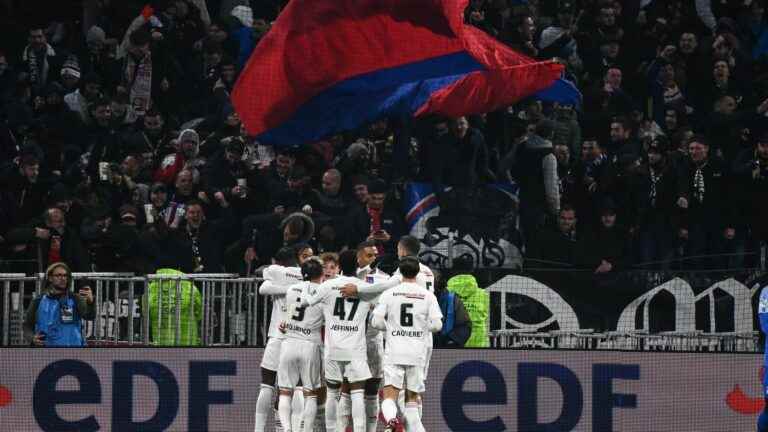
408	307
425	278
302	322
282	277
345	321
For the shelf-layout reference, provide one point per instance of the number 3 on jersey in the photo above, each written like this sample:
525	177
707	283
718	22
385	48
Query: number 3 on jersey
338	308
298	315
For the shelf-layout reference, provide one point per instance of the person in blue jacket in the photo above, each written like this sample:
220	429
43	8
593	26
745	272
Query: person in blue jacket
55	318
762	313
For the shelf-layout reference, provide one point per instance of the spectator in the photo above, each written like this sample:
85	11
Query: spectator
49	240
23	190
653	195
705	195
187	148
41	63
200	242
55	318
376	221
562	247
607	243
536	172
751	176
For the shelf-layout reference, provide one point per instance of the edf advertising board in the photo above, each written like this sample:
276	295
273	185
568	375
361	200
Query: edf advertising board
467	390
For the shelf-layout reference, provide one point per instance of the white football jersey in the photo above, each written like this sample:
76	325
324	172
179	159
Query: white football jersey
407	309
345	319
277	280
302	322
425	278
370	279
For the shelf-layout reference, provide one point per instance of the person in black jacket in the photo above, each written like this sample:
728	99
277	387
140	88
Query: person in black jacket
751	172
48	241
655	215
377	221
23	193
201	243
704	193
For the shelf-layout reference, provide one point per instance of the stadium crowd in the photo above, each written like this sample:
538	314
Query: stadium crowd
121	151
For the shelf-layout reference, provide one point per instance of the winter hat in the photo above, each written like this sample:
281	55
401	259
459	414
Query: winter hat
127	210
357	149
71	67
244	14
95	35
189	135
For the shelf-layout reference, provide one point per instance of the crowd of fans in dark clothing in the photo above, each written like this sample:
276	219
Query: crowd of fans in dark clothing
121	151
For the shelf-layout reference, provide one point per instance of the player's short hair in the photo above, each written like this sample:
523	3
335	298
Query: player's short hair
348	263
298	247
411	244
326	257
286	256
312	269
365	244
409	267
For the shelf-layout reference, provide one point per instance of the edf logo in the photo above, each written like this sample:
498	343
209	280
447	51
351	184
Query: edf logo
46	398
604	400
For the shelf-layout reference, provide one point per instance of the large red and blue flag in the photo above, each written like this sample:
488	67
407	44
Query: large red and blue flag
328	66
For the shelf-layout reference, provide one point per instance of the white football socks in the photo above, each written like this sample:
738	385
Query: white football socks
358	410
372	412
412	417
297	409
388	409
284	410
263	406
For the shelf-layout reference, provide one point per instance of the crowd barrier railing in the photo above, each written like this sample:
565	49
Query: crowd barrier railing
704	311
152	310
637	311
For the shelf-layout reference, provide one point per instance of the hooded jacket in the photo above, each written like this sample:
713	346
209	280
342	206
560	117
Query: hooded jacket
477	303
162	310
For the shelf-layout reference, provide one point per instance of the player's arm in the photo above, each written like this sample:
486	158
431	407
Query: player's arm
273	272
272	289
368	292
434	315
313	295
379	316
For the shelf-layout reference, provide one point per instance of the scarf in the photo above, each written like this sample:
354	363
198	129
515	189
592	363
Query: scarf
376	225
698	184
38	68
197	259
137	79
655	177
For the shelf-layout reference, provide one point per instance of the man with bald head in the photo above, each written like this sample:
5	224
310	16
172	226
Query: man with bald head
329	201
329	208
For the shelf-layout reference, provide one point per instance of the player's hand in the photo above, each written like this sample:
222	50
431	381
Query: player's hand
39	339
349	290
281	327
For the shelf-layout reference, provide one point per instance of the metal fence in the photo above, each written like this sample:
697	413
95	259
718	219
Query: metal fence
152	310
651	311
704	311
